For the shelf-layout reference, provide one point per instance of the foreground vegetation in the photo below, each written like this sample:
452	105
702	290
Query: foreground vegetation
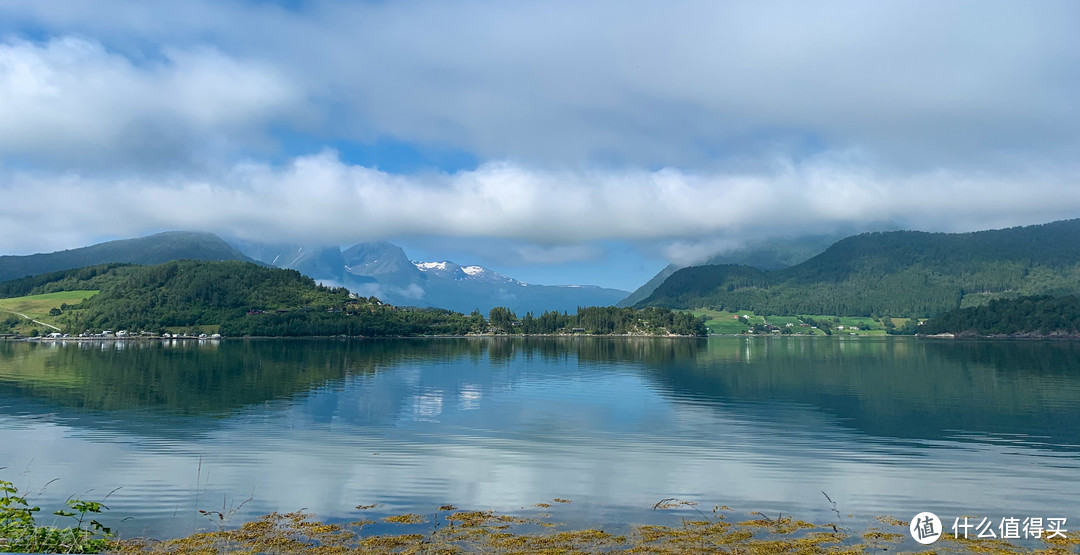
451	530
20	531
243	299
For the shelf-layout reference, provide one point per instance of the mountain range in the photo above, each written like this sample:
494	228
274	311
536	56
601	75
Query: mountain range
383	270
899	273
370	269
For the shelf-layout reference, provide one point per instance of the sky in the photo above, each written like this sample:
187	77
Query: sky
555	142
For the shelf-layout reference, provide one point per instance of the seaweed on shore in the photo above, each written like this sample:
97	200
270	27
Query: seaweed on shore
458	531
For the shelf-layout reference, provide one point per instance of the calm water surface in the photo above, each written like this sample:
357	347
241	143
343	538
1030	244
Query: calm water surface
883	425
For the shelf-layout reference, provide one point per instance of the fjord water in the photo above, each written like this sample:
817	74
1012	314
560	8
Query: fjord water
885	426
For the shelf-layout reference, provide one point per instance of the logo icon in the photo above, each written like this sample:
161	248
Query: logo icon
925	528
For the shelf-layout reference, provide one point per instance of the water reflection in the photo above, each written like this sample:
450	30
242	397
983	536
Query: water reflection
883	425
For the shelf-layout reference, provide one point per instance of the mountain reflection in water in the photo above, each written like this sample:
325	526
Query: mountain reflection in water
884	425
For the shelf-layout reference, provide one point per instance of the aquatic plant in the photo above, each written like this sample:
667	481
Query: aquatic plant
452	531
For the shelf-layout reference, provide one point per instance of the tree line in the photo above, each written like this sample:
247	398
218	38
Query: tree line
1037	315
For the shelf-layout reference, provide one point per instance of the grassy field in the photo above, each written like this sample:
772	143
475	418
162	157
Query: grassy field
723	322
726	323
36	307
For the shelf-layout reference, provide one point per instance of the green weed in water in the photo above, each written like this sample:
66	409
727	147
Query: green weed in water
454	531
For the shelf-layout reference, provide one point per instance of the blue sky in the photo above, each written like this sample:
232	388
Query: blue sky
555	142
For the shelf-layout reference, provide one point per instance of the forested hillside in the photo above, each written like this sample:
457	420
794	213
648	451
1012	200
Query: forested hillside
902	273
772	254
1024	316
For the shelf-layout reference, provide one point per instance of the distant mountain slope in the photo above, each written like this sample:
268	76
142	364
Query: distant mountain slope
896	273
311	261
643	292
772	254
383	270
380	262
153	249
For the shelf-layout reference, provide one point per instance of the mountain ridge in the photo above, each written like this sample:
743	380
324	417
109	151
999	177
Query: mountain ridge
772	254
896	272
382	269
151	249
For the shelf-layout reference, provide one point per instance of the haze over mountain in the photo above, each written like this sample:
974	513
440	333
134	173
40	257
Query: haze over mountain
772	254
153	249
897	273
383	270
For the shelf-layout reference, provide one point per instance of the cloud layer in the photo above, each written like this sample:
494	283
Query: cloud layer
319	198
687	83
686	126
69	100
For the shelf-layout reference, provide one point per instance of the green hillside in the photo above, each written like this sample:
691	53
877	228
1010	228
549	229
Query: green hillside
153	249
772	254
900	273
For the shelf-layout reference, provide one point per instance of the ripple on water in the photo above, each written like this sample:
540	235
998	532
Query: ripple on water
413	425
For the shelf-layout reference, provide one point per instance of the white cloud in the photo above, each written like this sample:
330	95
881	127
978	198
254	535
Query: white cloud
321	199
691	124
683	83
686	252
70	99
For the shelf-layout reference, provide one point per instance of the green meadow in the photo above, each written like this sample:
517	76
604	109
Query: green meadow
36	307
724	322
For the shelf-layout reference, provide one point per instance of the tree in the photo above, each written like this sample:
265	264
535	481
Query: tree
501	318
477	324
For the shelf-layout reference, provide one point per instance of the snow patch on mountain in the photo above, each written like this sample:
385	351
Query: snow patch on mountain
383	270
447	269
430	265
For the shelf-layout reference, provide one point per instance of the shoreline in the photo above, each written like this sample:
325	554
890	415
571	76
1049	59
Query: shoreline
1001	337
340	337
189	338
449	529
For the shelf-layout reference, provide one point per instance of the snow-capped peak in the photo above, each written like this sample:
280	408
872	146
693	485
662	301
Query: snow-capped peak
447	269
430	265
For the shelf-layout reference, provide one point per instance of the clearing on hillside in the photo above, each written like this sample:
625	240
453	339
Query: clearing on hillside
37	307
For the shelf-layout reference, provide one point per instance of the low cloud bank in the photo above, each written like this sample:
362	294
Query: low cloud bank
321	199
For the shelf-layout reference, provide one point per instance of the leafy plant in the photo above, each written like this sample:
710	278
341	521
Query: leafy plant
20	533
